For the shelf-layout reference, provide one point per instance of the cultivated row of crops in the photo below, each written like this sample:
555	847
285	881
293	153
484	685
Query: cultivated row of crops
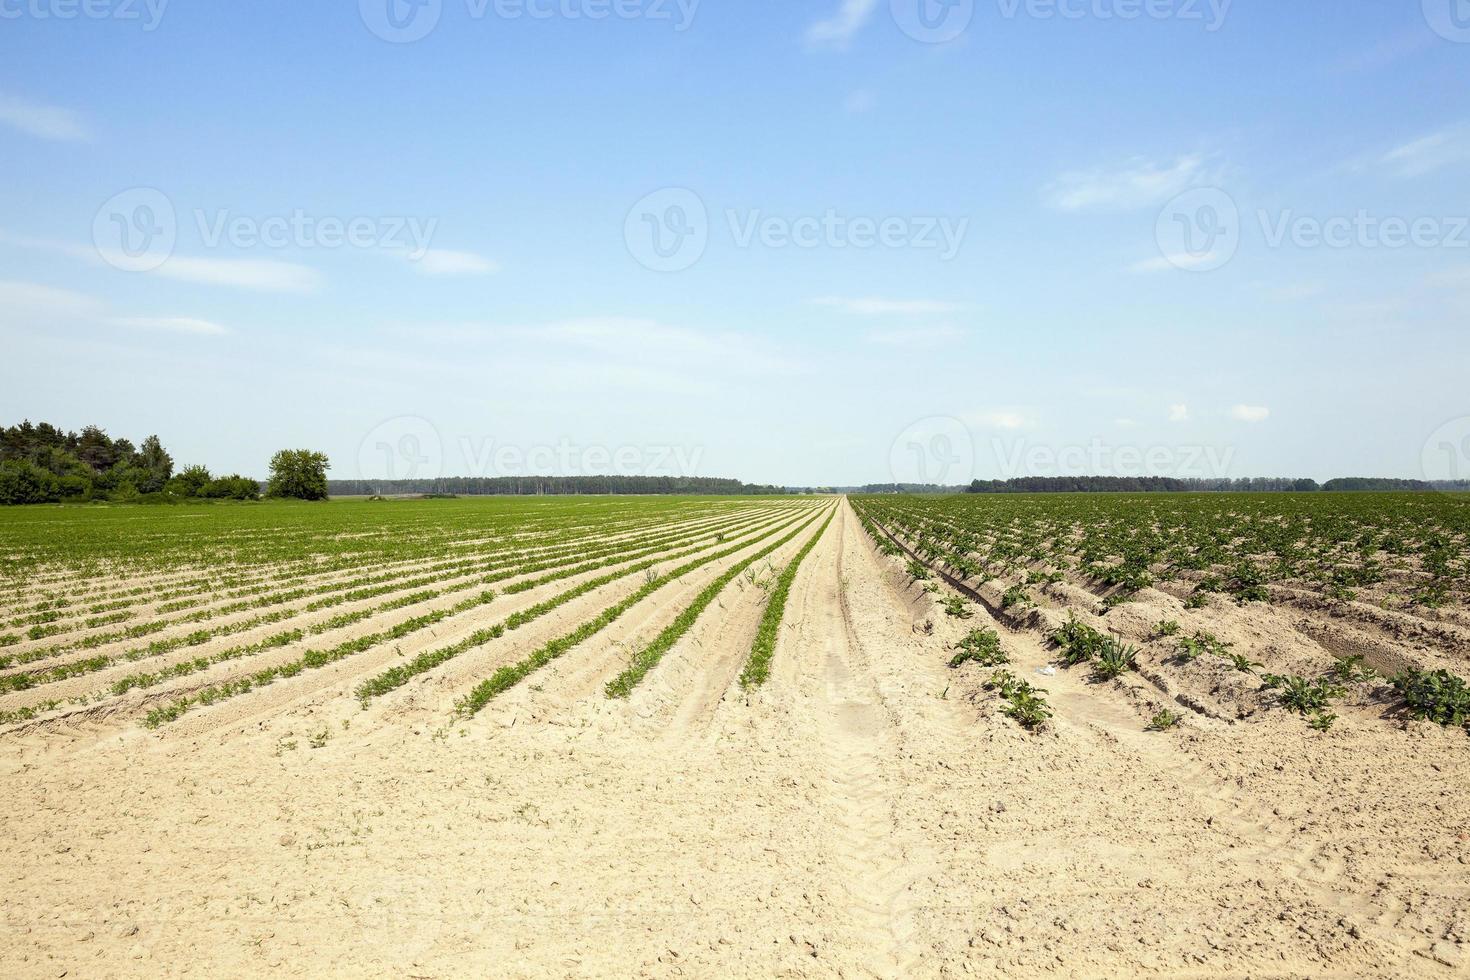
178	609
1407	549
1044	556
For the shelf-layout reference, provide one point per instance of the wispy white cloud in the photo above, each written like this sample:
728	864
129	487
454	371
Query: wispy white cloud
264	275
873	306
1140	184
1445	148
1250	413
34	298
1179	413
34	306
1174	263
839	29
172	324
448	262
43	121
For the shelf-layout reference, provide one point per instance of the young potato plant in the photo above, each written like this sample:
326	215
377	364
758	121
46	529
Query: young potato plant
981	646
1016	597
1024	703
956	607
1437	696
1079	643
1302	695
1193	647
1164	720
1243	664
1351	670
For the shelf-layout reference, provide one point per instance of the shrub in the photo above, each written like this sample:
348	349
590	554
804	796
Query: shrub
22	482
234	487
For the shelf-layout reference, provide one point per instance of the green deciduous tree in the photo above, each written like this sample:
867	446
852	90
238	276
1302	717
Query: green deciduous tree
299	473
191	481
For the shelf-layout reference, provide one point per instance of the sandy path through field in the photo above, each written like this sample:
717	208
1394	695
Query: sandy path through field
869	812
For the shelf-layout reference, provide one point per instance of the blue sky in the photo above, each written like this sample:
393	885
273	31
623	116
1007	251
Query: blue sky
1127	236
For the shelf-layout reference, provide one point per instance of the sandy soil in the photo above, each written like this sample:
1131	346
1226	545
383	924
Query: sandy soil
870	812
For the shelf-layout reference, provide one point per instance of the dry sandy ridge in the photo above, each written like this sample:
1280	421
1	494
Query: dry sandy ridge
869	812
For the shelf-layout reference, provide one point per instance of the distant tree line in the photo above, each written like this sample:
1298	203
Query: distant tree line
42	463
1139	484
1350	483
1161	484
901	488
527	486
